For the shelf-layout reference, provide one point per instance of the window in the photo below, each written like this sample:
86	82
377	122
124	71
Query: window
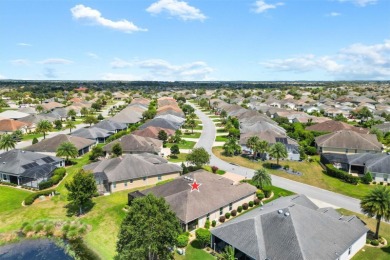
230	206
144	178
349	250
220	211
131	181
208	216
114	185
159	177
125	183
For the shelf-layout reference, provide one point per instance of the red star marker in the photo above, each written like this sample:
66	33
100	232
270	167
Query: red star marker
195	186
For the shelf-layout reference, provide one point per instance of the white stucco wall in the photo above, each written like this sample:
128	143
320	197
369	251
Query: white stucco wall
354	248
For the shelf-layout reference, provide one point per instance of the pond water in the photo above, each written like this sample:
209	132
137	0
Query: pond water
39	249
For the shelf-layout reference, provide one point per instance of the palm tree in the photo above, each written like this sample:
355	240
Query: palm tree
261	178
377	204
261	147
231	147
223	114
278	151
67	149
191	123
69	124
39	108
251	143
7	142
72	113
227	254
44	126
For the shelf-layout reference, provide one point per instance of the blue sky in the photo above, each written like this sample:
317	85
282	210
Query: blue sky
195	40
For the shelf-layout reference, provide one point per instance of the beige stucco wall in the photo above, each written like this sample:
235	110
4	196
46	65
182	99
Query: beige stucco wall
215	214
140	182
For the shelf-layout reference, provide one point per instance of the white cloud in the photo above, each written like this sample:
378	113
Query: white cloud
50	73
334	14
92	55
120	64
2	77
23	44
93	15
361	3
55	61
20	62
262	6
122	77
357	61
177	8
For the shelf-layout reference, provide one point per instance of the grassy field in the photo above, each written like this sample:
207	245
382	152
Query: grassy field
11	198
198	127
183	144
312	174
31	136
192	135
221	131
180	158
221	138
371	253
193	252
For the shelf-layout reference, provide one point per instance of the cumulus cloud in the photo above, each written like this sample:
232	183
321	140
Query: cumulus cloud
2	77
361	3
20	62
92	55
334	14
120	64
94	16
262	6
23	44
50	73
357	61
158	69
55	61
176	8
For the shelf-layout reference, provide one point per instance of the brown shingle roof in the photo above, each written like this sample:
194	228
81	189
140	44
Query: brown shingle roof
51	144
10	125
136	144
333	126
152	132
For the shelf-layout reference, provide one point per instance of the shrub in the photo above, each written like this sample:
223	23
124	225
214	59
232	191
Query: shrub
239	209
375	242
381	183
182	240
256	201
203	236
260	194
214	169
27	228
233	212
334	172
367	178
286	167
227	215
45	184
213	223
374	182
368	241
60	171
38	227
245	206
49	228
56	179
310	150
207	224
35	140
222	219
33	196
267	192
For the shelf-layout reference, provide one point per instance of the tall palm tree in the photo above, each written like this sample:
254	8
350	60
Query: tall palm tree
377	204
39	109
252	143
69	124
192	123
7	142
261	178
227	254
231	147
278	151
67	149
44	126
261	147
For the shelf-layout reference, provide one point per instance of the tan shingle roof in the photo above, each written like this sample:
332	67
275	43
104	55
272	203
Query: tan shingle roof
10	125
51	144
333	126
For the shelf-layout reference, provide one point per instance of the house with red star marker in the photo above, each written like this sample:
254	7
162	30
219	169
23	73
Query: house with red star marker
201	195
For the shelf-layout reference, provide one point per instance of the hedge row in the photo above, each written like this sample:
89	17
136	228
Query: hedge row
58	175
33	196
334	172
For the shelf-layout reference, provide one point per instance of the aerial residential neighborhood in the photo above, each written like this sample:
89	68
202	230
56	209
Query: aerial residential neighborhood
195	130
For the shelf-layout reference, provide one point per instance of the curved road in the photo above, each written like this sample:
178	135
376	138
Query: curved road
207	139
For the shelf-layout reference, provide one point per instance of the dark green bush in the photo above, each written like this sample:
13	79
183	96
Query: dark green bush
203	236
33	196
367	178
368	241
251	204
375	242
267	192
213	223
239	209
334	172
35	140
227	215
207	224
45	184
260	194
182	240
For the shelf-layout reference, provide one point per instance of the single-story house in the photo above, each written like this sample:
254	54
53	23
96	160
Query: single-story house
111	126
26	168
129	115
161	122
10	125
216	196
12	114
132	171
330	126
152	132
136	144
99	135
50	145
291	227
348	141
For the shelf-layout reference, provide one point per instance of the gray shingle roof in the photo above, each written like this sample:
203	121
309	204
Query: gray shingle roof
161	122
215	192
91	133
110	125
136	144
132	166
51	144
305	233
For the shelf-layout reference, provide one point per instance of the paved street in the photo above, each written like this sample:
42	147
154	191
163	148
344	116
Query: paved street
207	139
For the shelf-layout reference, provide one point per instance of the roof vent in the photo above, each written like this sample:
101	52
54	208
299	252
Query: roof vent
286	214
280	211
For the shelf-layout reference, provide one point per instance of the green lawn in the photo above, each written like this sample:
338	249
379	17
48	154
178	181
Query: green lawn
221	131
371	253
192	135
312	174
31	136
198	127
219	171
214	116
221	138
183	144
180	158
193	252
11	198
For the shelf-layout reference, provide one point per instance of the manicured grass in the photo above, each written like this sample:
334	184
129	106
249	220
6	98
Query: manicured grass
278	192
11	198
312	174
215	116
221	138
192	135
198	127
371	253
31	136
221	131
183	144
180	158
219	171
193	252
